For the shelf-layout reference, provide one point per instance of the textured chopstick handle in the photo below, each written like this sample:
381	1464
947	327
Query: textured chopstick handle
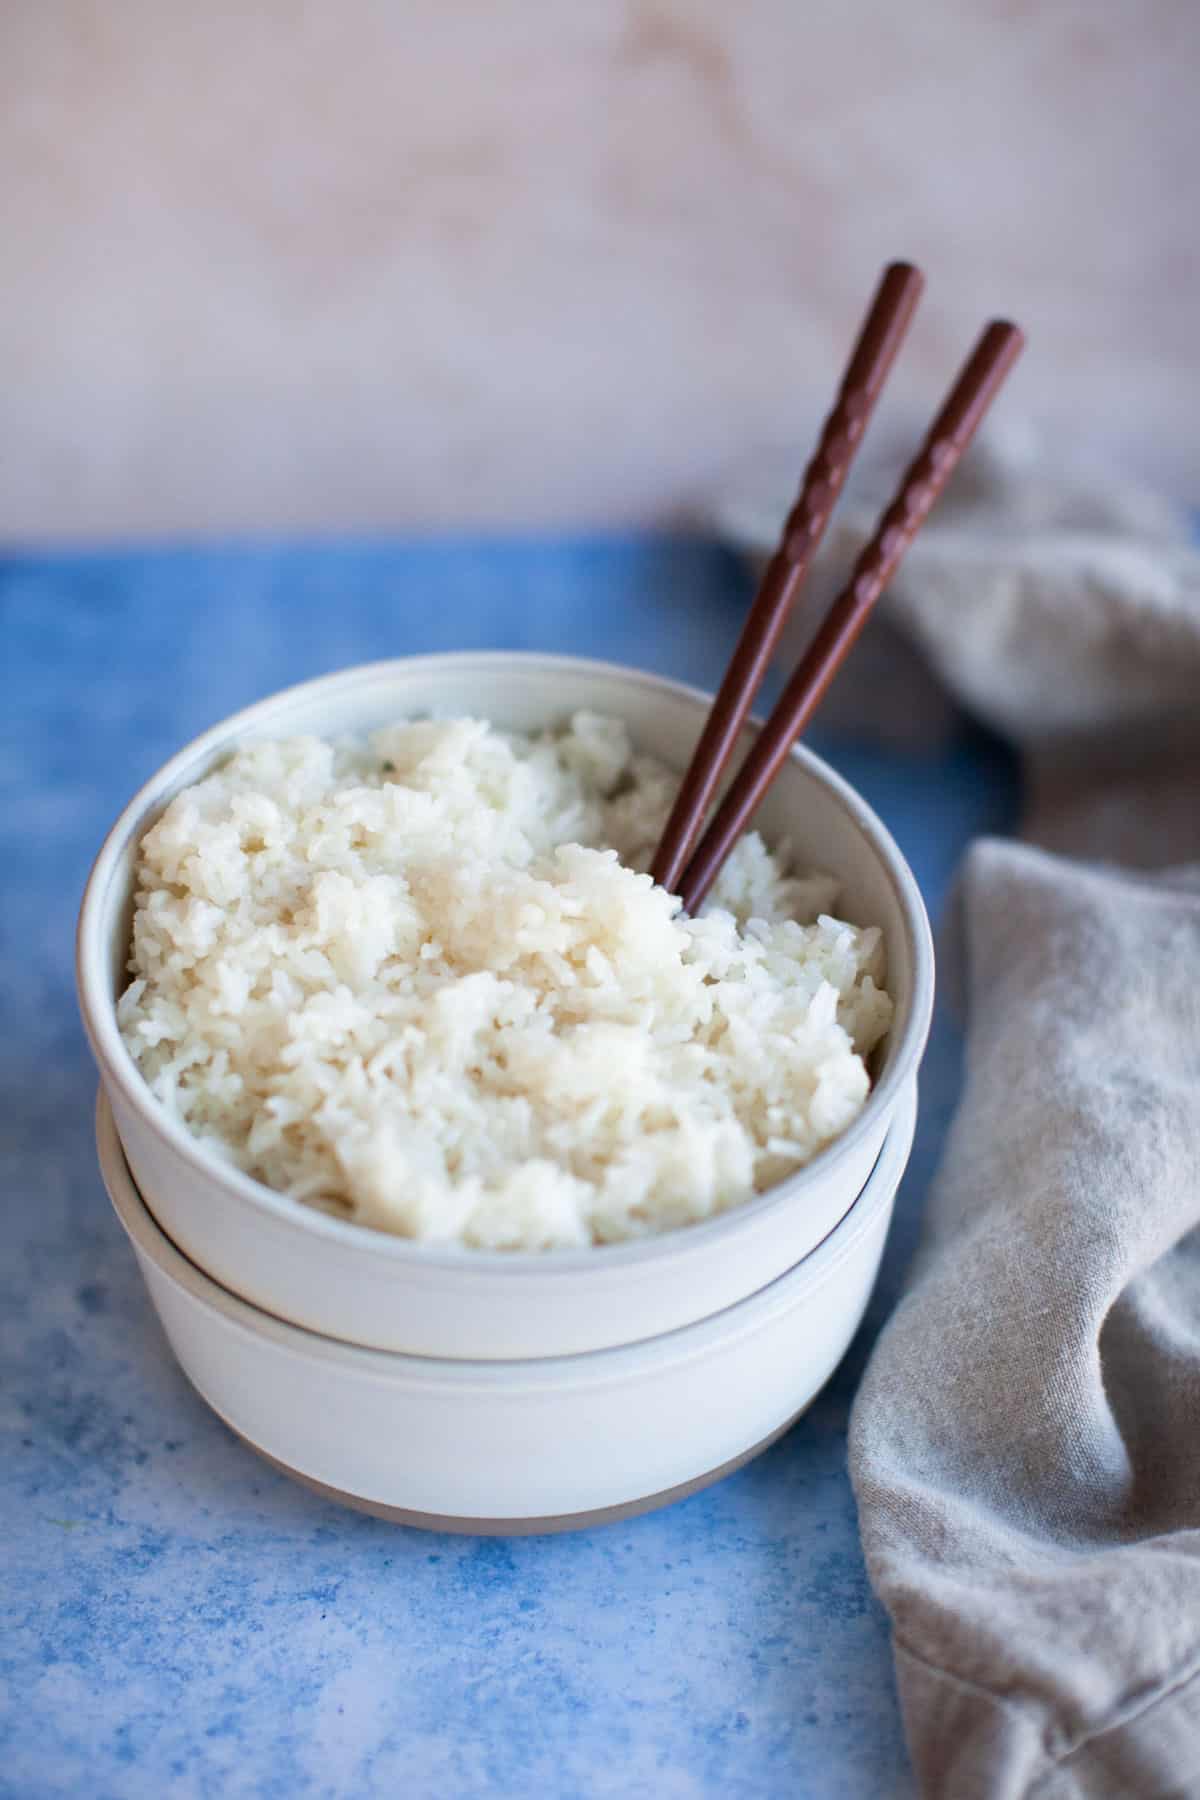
923	481
934	463
874	352
880	338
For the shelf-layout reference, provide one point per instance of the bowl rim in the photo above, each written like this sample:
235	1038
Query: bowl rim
697	1339
118	1069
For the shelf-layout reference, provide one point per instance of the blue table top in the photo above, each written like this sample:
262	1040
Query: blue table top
178	1618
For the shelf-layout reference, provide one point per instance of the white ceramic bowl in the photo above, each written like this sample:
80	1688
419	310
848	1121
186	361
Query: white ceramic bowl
519	1446
364	1287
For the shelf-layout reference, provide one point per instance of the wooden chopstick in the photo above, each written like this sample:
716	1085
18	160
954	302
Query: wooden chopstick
926	476
879	339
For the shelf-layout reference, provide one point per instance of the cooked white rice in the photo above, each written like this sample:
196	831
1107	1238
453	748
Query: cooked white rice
404	982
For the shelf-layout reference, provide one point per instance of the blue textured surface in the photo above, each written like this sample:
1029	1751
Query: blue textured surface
177	1618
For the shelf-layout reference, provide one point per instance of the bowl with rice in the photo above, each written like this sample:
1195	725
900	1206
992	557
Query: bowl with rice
405	1049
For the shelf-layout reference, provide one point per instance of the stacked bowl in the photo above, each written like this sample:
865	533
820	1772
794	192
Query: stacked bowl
508	1391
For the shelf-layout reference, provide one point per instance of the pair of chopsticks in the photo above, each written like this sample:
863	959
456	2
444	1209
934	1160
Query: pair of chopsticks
686	861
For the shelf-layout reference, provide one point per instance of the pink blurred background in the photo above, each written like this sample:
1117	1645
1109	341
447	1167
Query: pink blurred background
418	265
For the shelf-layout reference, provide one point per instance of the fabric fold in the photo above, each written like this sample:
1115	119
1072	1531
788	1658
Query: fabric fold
1025	1445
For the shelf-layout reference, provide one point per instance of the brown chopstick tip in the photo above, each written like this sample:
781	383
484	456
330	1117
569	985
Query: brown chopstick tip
1004	338
903	277
889	316
905	272
996	350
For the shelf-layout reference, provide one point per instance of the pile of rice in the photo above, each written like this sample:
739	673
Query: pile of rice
419	982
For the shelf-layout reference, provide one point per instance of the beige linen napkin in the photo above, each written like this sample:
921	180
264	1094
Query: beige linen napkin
1025	1446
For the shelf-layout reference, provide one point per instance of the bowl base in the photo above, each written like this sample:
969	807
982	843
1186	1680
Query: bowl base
529	1527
